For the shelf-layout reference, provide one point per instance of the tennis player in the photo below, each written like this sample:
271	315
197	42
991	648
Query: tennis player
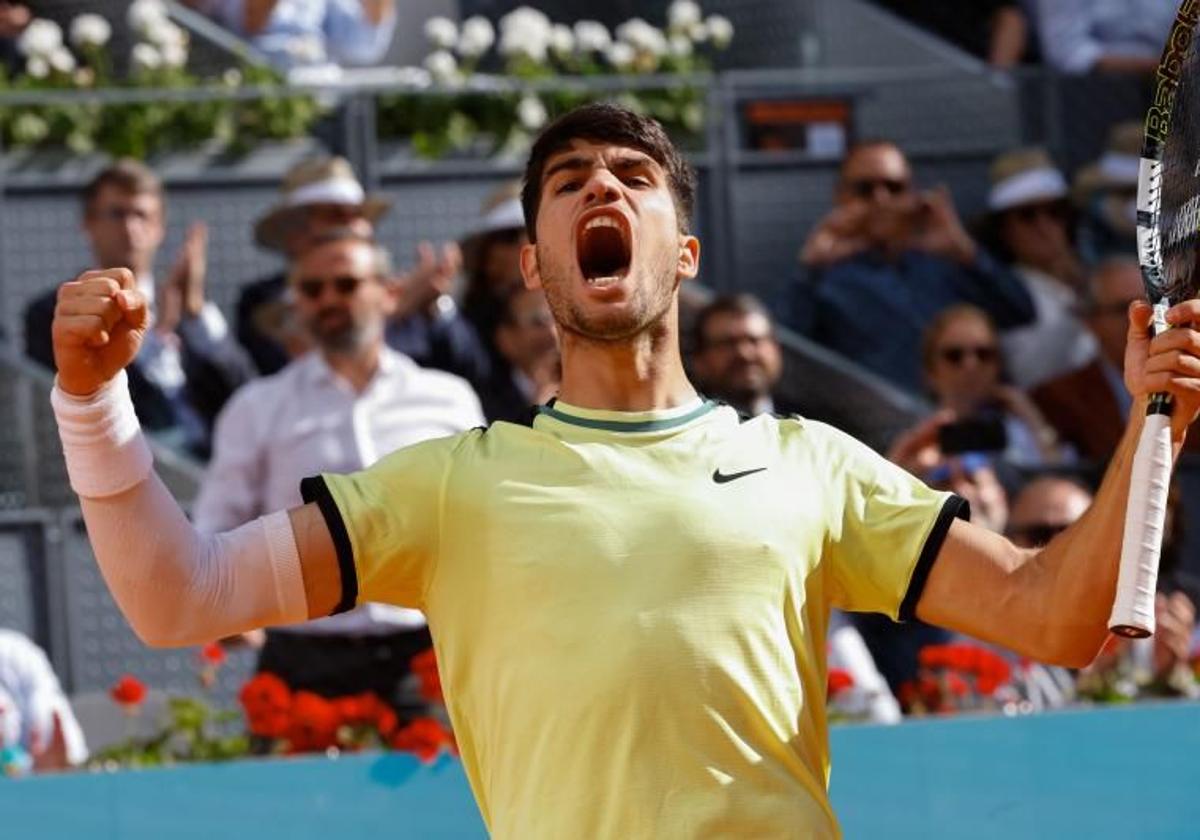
630	598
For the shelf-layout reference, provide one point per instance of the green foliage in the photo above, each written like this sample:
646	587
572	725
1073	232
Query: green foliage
193	732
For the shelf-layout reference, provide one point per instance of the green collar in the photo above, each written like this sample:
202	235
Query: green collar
622	421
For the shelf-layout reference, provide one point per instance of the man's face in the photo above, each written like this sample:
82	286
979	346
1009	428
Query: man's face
339	298
609	254
965	365
502	261
1113	289
1045	508
740	357
125	228
528	336
877	175
319	219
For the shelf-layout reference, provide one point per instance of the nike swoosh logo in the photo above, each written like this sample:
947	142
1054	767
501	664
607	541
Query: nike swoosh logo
723	478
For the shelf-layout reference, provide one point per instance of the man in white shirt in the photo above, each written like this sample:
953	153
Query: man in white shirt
190	364
340	407
34	712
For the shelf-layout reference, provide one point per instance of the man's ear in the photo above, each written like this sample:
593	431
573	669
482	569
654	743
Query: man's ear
688	264
530	271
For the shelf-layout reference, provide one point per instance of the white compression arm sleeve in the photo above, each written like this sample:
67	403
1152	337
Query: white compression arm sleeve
175	585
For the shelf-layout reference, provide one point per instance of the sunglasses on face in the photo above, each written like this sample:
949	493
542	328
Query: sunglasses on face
312	287
1031	212
956	355
867	187
1036	533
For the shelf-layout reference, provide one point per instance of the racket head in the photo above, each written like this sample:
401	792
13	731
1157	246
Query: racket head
1168	201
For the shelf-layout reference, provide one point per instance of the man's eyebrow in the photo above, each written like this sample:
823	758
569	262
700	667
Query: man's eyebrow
566	163
633	161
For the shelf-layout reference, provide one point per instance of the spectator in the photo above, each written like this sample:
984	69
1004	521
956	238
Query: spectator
527	341
309	32
338	408
1044	508
1118	36
1106	193
736	357
848	652
1088	406
994	30
492	260
1029	226
886	260
14	17
34	713
189	365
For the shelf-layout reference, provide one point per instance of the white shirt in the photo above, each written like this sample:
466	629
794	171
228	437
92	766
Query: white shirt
306	420
31	698
1055	343
1075	34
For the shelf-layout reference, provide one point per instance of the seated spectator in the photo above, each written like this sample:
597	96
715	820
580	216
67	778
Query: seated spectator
996	31
735	355
527	341
339	408
14	17
492	260
307	32
1115	36
1029	226
189	364
34	714
1106	193
886	260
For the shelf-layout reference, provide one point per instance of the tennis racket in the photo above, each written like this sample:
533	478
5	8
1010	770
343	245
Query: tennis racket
1168	236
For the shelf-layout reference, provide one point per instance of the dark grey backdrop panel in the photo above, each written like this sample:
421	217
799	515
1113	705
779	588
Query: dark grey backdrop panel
23	580
102	647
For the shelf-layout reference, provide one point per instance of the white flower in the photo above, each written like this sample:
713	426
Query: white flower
643	37
441	32
525	31
37	67
680	46
30	128
40	38
84	77
698	32
232	77
143	14
174	55
592	36
476	38
62	61
163	34
620	55
90	31
442	66
562	40
531	113
720	30
682	15
145	57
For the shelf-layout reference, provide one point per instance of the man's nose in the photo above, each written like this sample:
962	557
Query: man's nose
602	188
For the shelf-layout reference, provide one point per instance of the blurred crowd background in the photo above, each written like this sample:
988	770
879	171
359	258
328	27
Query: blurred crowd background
918	225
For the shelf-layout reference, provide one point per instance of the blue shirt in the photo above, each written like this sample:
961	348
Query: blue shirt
874	312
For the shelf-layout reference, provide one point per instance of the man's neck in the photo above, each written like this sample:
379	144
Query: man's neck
357	367
642	374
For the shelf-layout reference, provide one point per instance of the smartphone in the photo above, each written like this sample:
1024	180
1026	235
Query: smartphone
975	434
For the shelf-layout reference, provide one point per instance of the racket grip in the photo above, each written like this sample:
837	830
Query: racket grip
1133	609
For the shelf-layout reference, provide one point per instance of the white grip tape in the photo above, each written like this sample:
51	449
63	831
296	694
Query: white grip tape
105	451
1133	608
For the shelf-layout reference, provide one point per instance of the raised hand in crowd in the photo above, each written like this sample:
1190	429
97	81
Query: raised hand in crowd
838	236
1017	403
938	229
183	293
432	277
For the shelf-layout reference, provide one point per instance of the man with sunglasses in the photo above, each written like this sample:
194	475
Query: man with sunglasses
342	406
888	258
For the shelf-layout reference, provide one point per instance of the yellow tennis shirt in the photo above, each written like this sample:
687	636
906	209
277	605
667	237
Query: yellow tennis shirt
630	609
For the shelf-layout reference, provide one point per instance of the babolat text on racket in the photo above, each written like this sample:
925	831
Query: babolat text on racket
1168	233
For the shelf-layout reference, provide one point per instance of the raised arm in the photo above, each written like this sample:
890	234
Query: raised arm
1053	604
175	585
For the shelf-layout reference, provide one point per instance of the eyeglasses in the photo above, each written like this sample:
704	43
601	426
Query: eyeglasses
867	187
1038	533
1056	211
985	354
313	287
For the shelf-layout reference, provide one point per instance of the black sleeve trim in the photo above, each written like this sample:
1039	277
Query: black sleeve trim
314	489
955	507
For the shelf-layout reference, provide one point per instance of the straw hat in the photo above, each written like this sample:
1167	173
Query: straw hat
501	210
320	180
1117	168
1024	176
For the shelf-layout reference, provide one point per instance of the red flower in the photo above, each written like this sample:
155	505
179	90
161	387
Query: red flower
357	709
129	691
957	685
839	681
313	723
213	654
987	685
267	701
425	666
425	737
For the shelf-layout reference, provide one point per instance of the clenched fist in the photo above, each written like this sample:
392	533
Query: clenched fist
99	323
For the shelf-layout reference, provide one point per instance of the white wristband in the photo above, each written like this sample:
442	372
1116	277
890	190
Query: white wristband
103	444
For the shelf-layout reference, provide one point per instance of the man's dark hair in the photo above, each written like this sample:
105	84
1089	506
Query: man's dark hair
128	175
604	122
740	304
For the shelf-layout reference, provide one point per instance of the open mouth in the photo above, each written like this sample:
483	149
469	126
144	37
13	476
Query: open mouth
603	249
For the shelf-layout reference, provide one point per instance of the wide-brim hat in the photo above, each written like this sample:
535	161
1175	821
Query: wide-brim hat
1023	177
1116	169
321	180
501	211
